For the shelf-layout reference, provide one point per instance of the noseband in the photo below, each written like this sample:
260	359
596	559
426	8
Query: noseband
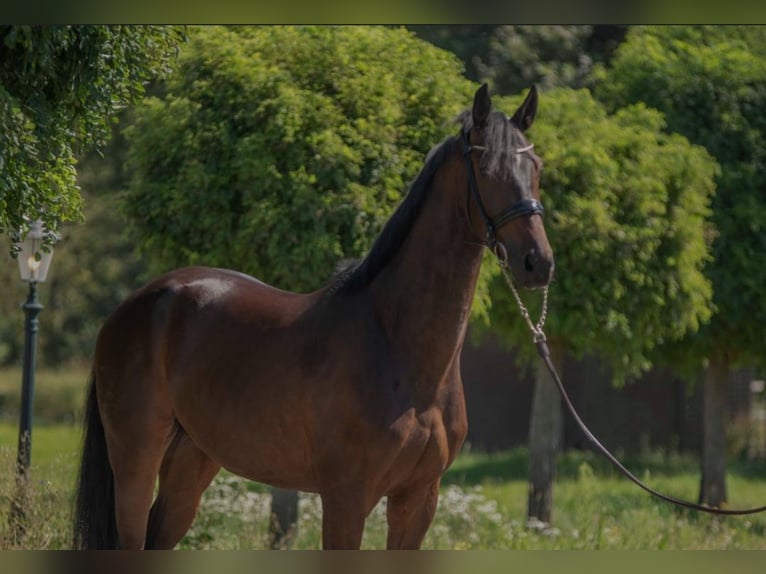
522	207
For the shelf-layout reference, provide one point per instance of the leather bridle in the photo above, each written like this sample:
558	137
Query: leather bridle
525	206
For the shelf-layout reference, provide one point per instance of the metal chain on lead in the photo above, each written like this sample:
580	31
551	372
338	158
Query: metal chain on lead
537	329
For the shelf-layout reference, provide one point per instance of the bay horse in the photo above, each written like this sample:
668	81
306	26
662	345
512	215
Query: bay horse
352	391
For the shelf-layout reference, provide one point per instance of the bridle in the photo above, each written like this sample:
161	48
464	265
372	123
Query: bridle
526	206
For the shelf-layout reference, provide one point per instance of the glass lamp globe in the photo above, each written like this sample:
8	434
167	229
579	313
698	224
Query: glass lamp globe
33	261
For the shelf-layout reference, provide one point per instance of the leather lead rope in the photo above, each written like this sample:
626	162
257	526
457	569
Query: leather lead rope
545	355
544	352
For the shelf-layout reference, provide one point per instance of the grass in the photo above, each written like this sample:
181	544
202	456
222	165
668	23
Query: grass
51	446
482	503
58	394
592	512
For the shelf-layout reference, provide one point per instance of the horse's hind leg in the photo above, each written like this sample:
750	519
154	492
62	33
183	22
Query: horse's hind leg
185	474
135	464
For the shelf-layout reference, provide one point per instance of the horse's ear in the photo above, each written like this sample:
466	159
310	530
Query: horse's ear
481	106
525	115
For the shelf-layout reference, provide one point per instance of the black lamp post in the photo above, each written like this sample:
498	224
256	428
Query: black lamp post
33	268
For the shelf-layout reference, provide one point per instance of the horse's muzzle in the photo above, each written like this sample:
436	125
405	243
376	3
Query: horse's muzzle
535	270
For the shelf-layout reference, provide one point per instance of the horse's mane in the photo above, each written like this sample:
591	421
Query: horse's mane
501	137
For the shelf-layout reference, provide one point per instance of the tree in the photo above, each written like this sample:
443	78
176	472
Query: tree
60	88
710	82
470	43
511	58
626	213
284	150
94	268
549	56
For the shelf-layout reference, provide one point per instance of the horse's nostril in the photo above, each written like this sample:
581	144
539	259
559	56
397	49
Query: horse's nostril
529	261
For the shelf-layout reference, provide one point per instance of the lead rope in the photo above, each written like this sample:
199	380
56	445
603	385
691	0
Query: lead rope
542	349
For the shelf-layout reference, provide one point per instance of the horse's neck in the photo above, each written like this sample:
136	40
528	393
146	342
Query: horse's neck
424	295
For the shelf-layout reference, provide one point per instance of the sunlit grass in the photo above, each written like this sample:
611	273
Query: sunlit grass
591	514
50	446
58	395
482	503
47	508
482	506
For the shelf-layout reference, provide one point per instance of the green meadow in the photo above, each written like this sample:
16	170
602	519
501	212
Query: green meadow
482	503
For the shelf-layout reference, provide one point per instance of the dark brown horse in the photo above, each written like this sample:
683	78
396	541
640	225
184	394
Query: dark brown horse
352	391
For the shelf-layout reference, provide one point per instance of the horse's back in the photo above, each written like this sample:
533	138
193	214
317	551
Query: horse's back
203	287
184	312
197	292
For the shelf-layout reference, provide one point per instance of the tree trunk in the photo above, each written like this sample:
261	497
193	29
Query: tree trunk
713	482
546	431
284	518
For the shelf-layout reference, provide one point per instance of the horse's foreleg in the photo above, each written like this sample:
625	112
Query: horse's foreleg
343	517
185	474
409	516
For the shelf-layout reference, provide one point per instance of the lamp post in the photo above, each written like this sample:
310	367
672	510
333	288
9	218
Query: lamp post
33	268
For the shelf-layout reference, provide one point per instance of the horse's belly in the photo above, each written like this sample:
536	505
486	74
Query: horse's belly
263	447
260	471
280	465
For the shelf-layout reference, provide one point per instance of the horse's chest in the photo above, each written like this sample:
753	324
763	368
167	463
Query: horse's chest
431	441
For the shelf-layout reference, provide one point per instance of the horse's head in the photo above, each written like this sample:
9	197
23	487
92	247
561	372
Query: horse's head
504	177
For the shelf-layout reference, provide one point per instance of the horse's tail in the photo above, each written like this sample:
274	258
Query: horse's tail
94	522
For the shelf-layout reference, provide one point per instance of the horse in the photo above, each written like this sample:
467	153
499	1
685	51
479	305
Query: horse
352	391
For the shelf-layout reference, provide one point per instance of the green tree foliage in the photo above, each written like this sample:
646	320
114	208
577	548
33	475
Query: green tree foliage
94	268
512	58
627	207
60	87
468	42
279	151
549	56
710	82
